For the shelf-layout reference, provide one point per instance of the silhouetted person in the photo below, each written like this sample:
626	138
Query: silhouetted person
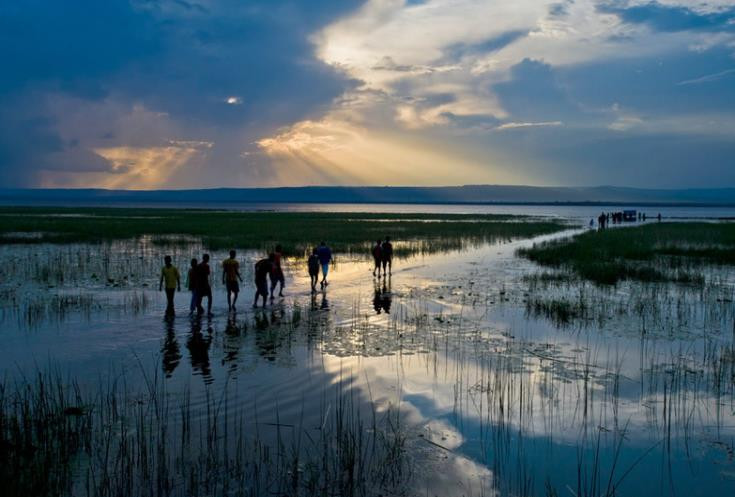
377	256
659	217
204	286
325	257
277	272
170	351
262	269
231	278
169	275
191	284
313	264
386	255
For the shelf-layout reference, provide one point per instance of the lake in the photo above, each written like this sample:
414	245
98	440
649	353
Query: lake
473	383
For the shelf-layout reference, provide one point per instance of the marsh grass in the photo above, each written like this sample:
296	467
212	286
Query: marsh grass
297	232
666	252
57	440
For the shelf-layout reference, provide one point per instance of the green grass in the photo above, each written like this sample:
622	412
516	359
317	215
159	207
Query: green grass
296	231
664	252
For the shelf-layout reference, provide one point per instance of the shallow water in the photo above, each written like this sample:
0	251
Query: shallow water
637	395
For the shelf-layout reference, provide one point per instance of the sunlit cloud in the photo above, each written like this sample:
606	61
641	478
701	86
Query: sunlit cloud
512	125
233	100
338	151
136	168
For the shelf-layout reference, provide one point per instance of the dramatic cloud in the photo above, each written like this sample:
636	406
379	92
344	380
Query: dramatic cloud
171	93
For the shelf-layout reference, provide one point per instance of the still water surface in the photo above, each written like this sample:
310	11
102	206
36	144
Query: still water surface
493	397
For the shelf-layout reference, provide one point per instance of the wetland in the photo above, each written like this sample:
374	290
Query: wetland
505	355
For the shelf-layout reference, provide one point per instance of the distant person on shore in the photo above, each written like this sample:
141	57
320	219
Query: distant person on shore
169	275
191	284
204	285
377	257
263	268
325	257
231	279
277	272
601	221
313	264
659	217
386	255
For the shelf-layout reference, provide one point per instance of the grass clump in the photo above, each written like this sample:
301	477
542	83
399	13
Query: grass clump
651	253
297	232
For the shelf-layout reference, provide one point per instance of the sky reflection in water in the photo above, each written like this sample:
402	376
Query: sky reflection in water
485	387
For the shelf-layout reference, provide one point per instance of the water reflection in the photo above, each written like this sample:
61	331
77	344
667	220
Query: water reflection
232	341
382	297
170	351
198	345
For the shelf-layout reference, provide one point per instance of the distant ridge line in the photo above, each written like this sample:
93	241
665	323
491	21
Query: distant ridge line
461	195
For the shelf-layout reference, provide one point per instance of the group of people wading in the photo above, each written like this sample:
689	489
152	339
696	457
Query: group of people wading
199	276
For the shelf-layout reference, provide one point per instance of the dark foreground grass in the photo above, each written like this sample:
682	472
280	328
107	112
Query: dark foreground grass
667	252
296	231
58	441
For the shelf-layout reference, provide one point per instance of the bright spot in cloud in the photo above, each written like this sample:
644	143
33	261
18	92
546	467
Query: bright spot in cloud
234	100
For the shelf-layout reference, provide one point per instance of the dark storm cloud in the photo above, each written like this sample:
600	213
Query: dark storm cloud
534	93
179	57
671	18
661	143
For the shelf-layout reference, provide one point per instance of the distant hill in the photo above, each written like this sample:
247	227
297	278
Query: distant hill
469	194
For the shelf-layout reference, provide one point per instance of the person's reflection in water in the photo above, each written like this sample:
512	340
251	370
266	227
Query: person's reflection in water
386	297
325	303
266	337
231	345
170	351
198	345
377	296
382	297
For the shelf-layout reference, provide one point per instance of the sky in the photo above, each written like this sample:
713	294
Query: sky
146	94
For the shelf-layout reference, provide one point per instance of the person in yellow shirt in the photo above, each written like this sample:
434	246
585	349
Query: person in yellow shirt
231	278
169	276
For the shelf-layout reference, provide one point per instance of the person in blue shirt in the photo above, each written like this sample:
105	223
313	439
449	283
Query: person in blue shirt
325	257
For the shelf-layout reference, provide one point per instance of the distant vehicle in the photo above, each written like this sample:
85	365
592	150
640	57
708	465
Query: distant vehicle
630	215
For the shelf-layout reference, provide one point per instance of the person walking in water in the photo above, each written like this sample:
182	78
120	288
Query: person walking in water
191	284
262	269
386	255
313	264
169	275
325	257
377	257
231	278
204	285
277	272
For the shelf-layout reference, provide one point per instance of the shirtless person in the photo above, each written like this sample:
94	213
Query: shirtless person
231	278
